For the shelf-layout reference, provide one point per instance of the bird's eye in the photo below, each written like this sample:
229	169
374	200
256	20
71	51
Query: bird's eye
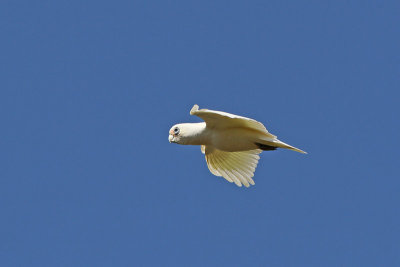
176	130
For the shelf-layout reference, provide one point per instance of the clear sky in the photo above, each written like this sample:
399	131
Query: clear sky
89	90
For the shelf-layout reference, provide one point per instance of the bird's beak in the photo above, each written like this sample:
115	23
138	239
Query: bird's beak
170	137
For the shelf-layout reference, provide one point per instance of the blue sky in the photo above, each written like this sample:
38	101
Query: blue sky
89	90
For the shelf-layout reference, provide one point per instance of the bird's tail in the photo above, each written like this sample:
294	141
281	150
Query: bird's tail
273	144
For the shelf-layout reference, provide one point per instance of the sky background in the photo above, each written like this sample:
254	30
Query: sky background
89	90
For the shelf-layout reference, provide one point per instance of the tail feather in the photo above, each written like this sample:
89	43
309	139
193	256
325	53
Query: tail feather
273	144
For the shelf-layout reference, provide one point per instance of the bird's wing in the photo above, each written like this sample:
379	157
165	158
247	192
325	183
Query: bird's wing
237	167
219	119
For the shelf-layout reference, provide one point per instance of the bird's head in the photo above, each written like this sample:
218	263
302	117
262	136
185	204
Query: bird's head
182	133
176	134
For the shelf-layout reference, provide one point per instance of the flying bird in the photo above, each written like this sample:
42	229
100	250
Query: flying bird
231	143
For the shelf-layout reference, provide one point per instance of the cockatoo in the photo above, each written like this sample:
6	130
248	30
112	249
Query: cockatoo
231	143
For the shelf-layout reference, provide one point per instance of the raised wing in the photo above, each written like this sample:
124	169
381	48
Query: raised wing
237	167
219	119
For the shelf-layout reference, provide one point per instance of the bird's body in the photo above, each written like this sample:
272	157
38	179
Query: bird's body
231	143
228	139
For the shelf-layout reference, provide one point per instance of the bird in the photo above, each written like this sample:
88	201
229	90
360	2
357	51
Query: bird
231	143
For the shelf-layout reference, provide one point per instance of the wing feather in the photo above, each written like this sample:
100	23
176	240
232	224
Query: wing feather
237	167
220	119
225	171
211	164
251	162
247	171
233	170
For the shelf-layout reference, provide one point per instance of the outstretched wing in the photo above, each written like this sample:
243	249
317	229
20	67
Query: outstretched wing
237	167
219	119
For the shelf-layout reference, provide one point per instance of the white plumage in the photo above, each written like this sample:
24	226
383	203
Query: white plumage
231	143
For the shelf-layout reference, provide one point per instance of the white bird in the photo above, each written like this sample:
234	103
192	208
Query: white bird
231	143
